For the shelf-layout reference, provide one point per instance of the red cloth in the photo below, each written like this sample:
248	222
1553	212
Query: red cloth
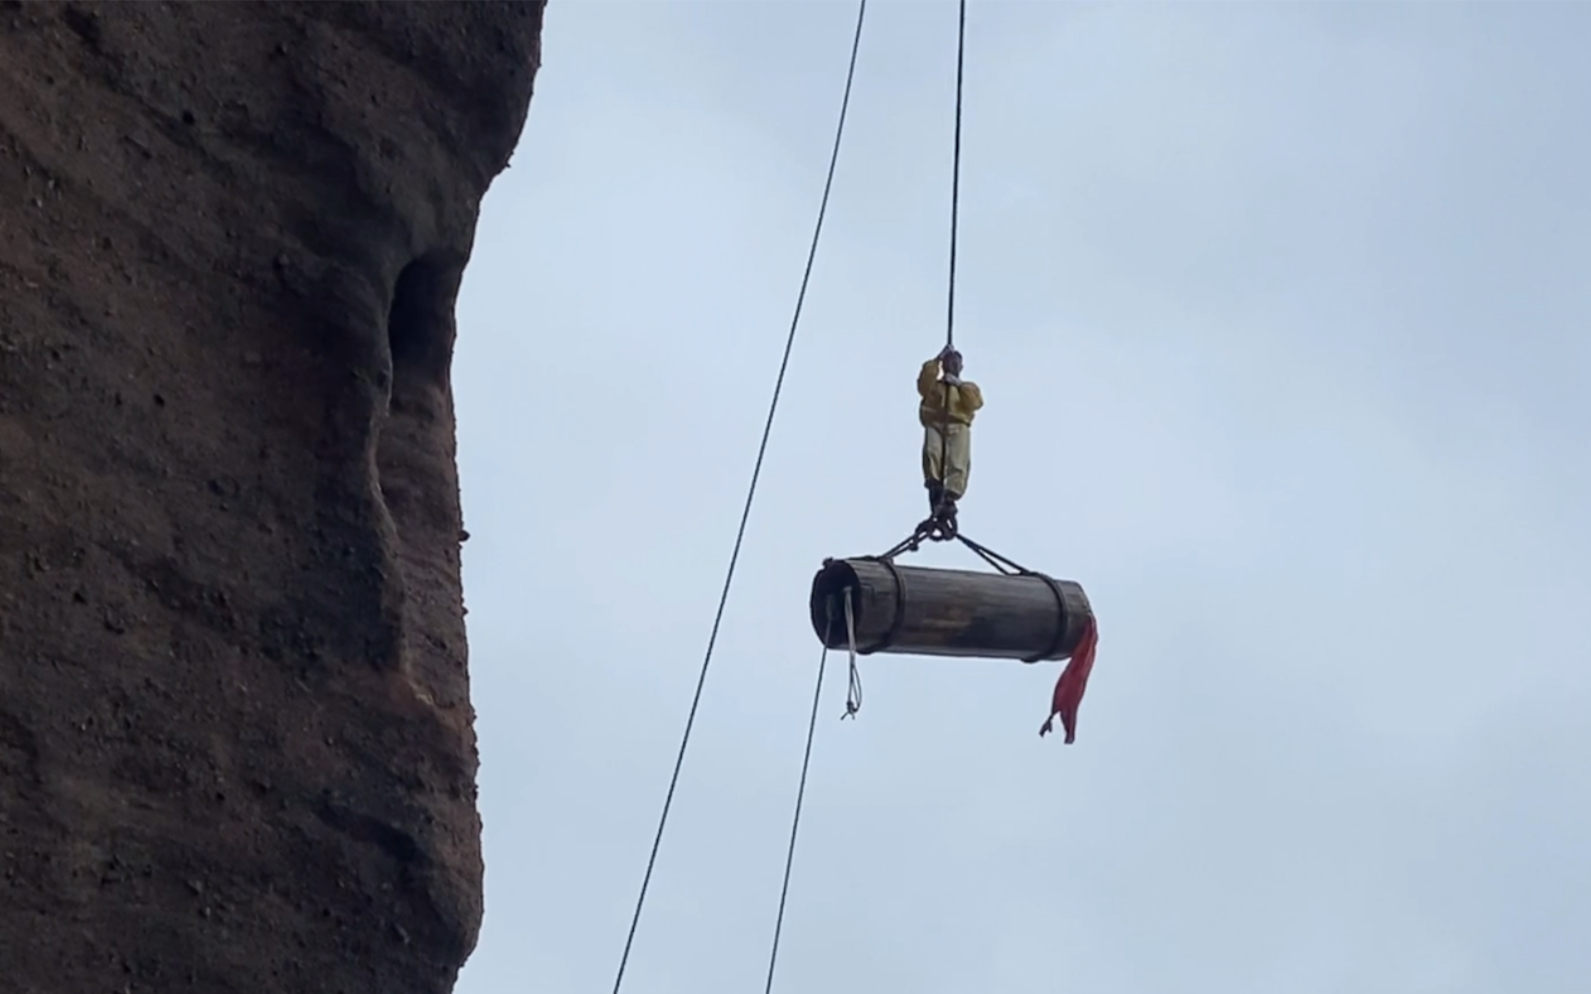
1074	680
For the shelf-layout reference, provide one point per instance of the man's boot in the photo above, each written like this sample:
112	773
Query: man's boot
946	511
936	496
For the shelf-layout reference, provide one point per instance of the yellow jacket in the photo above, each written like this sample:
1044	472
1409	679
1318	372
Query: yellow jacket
962	402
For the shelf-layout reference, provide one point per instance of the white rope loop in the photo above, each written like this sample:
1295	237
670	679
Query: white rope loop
853	698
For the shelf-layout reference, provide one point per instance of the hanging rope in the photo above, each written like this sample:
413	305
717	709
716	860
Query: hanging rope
801	793
955	181
948	527
745	514
853	695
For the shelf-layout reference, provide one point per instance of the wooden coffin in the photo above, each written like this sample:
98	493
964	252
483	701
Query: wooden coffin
948	612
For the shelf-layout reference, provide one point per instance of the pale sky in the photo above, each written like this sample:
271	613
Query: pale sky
1281	312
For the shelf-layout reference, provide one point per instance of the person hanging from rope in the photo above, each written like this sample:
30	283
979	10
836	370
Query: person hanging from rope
948	404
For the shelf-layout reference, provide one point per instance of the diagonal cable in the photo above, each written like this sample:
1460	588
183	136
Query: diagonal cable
751	493
795	822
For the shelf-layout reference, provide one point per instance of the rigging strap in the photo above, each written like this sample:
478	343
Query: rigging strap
932	530
1073	681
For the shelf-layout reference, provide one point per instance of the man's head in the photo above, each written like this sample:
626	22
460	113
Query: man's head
951	361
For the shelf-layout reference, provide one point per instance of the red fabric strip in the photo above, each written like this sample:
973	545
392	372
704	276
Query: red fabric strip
1074	680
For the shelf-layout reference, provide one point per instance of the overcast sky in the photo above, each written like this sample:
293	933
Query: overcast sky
1281	312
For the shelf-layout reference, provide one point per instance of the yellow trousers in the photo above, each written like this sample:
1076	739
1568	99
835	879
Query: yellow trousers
948	457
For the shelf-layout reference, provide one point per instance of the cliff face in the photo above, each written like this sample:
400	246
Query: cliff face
235	734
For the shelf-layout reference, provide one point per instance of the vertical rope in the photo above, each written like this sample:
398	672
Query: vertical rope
955	180
955	216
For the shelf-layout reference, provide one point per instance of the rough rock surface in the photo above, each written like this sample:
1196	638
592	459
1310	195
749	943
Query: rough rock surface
236	751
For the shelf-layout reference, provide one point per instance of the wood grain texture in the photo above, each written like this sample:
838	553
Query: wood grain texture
948	612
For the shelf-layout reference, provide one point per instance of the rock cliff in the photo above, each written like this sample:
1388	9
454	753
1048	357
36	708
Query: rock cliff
236	751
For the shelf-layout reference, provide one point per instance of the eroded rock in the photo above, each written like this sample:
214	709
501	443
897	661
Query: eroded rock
236	751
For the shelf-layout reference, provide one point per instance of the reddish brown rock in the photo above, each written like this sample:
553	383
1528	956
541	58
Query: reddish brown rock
236	751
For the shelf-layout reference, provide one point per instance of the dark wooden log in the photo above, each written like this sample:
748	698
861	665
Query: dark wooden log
948	612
